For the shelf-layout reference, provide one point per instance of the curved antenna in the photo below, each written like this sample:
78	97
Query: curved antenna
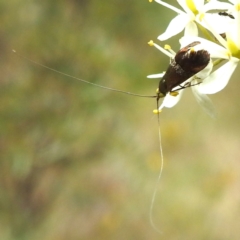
82	80
153	224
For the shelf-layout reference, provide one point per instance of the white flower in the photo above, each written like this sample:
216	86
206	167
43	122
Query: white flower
193	9
216	81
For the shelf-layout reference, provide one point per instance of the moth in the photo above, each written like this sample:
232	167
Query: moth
186	63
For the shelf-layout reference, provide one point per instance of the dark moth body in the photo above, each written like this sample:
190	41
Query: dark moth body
184	65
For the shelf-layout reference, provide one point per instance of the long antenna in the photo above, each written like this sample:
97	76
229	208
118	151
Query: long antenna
82	80
153	224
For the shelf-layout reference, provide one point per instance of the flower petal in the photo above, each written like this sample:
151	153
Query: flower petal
204	101
211	28
185	7
169	6
213	5
219	79
158	75
175	26
219	23
199	4
170	101
233	33
191	29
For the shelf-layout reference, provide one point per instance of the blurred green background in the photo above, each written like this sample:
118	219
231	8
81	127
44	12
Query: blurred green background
78	162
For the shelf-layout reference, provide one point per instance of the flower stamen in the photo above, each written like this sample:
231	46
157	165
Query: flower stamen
201	16
157	111
174	94
168	47
192	50
151	43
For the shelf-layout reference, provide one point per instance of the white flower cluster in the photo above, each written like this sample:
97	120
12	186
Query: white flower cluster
219	23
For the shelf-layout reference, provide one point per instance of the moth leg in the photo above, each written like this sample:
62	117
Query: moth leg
186	85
